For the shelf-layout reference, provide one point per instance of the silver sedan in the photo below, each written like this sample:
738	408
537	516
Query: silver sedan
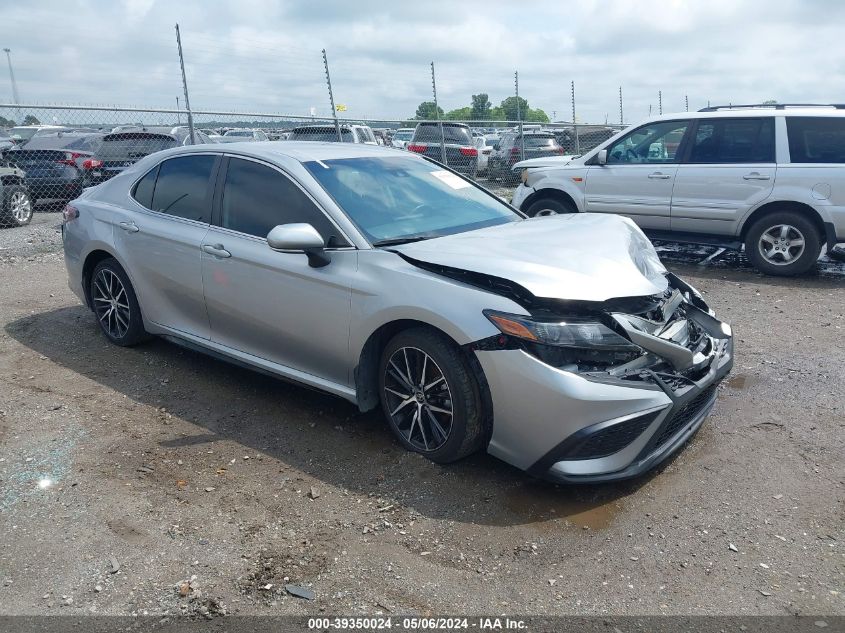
560	345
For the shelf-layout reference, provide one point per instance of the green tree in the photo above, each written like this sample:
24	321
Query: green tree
31	120
460	114
426	110
4	122
770	102
511	105
537	116
481	107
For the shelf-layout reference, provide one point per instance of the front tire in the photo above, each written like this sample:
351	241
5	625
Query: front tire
115	305
549	206
430	396
784	243
17	206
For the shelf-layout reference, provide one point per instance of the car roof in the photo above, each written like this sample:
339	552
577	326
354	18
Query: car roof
762	111
301	151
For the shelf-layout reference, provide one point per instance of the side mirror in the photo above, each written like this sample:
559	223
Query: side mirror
601	157
300	237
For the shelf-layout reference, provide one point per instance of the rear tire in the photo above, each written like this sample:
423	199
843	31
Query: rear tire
115	305
17	206
784	243
430	396
549	206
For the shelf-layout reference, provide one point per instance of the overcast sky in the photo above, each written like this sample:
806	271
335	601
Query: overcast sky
264	56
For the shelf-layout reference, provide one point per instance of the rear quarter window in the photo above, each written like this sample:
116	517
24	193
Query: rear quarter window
816	139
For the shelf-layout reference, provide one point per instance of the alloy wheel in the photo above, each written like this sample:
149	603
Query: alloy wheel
418	398
111	303
20	206
781	244
544	212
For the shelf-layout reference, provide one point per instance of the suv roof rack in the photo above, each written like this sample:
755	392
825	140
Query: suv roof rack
775	106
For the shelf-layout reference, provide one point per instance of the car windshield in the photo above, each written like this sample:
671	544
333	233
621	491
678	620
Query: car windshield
328	134
404	197
403	136
238	133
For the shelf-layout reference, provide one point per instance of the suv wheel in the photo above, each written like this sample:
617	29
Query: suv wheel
784	243
549	206
430	396
17	206
115	304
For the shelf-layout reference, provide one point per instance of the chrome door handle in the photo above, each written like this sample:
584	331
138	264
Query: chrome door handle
660	176
129	227
756	176
216	249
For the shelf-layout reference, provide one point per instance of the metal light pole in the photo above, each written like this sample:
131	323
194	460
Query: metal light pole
659	102
686	102
331	97
185	86
15	97
178	118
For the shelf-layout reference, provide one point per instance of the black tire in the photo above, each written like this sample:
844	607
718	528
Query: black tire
103	282
549	206
467	431
11	213
776	263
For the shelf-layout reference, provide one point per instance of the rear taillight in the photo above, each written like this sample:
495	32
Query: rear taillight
469	151
416	148
69	213
561	151
70	158
514	151
91	163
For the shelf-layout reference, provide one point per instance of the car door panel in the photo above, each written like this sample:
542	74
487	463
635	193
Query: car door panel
159	236
270	304
729	169
639	176
640	192
275	306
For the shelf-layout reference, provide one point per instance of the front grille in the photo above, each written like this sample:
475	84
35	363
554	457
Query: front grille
684	415
610	439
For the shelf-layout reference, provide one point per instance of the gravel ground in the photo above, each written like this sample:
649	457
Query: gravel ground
155	479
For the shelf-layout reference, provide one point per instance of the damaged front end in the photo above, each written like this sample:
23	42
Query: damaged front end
670	343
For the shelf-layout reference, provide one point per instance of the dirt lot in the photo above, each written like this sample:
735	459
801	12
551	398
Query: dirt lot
154	480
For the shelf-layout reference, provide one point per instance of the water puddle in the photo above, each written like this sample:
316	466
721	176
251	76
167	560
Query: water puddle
740	381
547	506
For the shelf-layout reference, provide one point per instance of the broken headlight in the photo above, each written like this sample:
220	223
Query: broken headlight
569	333
571	344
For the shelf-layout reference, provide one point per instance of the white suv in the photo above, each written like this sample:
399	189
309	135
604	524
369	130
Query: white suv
769	177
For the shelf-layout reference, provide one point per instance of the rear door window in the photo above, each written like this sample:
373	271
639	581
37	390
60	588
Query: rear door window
746	140
183	188
143	191
816	139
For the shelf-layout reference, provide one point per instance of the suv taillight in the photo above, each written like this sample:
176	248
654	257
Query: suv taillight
70	158
413	147
69	213
91	163
469	151
514	151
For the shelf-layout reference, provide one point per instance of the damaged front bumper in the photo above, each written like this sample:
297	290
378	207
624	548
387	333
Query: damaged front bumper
584	427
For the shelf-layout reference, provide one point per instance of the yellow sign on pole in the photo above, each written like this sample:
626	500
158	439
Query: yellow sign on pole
340	107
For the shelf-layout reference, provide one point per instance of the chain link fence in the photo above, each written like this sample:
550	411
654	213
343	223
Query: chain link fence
57	151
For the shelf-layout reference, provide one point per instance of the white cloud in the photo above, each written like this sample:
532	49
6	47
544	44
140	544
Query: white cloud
259	55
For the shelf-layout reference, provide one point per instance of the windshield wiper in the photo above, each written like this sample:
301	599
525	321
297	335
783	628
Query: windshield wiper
395	241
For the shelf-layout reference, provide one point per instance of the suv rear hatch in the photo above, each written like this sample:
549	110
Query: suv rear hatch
461	153
121	150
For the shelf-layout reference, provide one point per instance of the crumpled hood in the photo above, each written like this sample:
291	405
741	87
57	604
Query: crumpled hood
577	257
